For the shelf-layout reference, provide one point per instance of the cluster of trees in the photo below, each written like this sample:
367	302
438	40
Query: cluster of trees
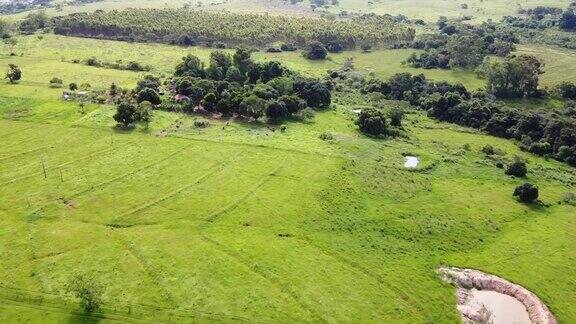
236	85
34	22
231	85
545	17
546	134
118	65
516	76
461	45
374	122
545	25
188	27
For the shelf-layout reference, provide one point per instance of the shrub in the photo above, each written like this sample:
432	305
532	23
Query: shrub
93	62
293	103
287	47
490	150
372	122
517	168
73	86
569	198
276	111
526	193
14	73
396	116
89	293
326	136
150	95
56	83
316	51
201	124
306	114
540	148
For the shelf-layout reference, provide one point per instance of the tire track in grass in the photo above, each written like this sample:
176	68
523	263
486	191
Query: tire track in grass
115	179
51	145
4	158
33	216
257	146
213	170
149	269
228	208
406	298
131	173
285	289
16	131
14	180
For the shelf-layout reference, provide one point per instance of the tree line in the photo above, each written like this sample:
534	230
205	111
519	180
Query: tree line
543	133
188	27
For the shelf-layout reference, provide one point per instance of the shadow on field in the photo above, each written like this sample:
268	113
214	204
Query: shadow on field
85	318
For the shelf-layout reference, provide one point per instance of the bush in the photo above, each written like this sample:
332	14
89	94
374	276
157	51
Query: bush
372	122
286	47
526	193
517	168
316	51
150	95
93	62
569	198
89	293
201	124
306	114
56	83
326	136
276	111
490	150
396	117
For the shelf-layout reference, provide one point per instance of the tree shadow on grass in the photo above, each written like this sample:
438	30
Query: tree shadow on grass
85	318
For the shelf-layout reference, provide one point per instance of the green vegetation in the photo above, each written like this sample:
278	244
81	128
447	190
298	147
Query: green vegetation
186	27
207	205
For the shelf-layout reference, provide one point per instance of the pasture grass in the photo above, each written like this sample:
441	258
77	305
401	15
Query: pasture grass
241	221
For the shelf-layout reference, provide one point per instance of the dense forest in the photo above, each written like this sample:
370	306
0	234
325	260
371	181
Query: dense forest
186	27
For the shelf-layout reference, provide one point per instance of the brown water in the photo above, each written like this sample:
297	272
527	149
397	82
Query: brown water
504	309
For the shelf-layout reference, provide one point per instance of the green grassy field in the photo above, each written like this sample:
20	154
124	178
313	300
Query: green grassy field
241	222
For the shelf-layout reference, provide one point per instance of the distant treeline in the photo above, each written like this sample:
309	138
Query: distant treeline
187	27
